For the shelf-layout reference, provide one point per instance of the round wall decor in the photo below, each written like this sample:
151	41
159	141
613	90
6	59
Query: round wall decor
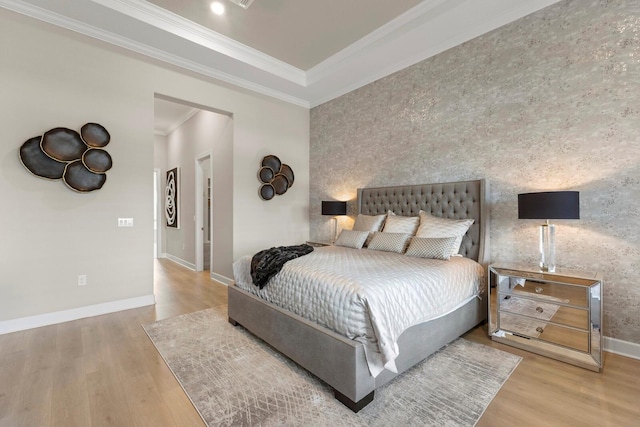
275	176
77	158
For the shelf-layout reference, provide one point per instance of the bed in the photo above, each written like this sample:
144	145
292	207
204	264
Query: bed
345	363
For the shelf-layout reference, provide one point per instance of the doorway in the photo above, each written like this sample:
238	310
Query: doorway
203	210
198	140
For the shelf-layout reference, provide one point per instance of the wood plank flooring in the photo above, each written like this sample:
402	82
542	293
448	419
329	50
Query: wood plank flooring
104	371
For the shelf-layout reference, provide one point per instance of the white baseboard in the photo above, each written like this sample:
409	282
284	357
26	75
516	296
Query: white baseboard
214	276
182	262
623	348
23	323
222	279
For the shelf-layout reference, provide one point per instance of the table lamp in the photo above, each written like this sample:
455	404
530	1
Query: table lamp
549	205
334	208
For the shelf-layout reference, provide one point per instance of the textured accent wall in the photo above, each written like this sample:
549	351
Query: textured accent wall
548	102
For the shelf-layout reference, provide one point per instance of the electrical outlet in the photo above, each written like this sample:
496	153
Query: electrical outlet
82	280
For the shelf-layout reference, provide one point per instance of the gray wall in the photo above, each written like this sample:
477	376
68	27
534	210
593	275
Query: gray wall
548	102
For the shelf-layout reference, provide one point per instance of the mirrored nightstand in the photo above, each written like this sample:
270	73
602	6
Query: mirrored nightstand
558	315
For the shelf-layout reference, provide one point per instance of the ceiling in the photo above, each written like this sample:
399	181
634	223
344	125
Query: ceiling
169	115
302	33
304	52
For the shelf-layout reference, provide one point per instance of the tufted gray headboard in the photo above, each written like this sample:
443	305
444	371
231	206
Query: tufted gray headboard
456	200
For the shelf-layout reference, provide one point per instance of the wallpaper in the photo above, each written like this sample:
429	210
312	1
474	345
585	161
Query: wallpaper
548	102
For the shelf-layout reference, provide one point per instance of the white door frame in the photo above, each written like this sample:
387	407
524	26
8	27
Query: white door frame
199	188
159	208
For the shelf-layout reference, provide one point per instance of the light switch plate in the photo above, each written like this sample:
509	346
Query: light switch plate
125	222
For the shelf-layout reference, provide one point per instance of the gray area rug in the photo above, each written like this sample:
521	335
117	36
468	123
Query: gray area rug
235	379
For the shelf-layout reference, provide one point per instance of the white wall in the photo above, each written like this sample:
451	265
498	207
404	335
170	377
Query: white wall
283	220
52	77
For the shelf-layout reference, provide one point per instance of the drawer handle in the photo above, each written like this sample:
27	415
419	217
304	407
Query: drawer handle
539	329
539	309
539	289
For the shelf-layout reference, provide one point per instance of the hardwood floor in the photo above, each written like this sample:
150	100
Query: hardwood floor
104	371
546	392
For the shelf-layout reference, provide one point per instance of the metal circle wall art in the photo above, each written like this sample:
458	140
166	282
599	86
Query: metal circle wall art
77	158
276	177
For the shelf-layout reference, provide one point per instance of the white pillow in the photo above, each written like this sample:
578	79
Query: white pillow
401	224
431	247
389	242
431	226
352	239
368	223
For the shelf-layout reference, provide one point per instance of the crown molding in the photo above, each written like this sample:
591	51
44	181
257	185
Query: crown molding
429	28
182	120
175	24
390	29
179	122
387	50
56	19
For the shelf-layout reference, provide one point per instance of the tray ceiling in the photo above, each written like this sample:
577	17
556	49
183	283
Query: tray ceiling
305	52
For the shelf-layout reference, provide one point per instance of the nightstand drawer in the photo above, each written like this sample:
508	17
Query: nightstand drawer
532	328
573	295
546	310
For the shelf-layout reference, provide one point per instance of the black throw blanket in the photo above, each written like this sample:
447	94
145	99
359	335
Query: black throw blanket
267	263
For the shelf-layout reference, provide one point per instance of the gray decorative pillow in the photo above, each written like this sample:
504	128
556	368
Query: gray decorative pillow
389	242
431	247
368	223
431	226
401	224
352	239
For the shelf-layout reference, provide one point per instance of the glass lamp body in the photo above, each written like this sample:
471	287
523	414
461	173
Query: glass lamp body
334	236
548	247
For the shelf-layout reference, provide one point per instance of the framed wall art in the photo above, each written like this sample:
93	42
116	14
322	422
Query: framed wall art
171	198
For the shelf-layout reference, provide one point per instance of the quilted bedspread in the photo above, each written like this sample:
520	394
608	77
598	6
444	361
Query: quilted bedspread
366	295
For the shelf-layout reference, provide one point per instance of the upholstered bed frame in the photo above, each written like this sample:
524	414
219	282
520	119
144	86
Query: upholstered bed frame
339	361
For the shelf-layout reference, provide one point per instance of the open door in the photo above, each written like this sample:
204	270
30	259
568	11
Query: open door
203	167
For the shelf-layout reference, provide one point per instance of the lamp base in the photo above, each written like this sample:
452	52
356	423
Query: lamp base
548	247
334	236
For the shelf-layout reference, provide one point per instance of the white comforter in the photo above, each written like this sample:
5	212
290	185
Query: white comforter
369	296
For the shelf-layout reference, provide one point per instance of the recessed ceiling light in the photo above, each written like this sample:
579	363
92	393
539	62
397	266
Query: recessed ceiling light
217	8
